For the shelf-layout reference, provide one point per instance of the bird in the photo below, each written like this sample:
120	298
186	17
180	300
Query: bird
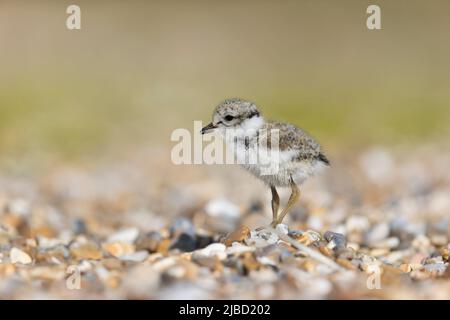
240	123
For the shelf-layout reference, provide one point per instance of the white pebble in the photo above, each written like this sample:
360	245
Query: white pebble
128	235
19	256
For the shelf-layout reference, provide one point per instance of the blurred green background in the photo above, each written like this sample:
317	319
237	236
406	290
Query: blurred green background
139	69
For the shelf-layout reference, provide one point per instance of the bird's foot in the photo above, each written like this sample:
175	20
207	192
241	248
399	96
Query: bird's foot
273	224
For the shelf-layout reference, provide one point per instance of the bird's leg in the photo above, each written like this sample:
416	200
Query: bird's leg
295	195
275	203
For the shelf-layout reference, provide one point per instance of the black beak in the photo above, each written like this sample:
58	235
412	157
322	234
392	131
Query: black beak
208	128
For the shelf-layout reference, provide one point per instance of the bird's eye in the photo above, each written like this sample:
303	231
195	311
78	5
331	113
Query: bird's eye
229	118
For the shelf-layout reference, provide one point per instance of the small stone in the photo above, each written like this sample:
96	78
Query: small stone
43	231
31	243
213	250
237	248
282	228
7	269
223	215
419	275
405	268
182	226
435	269
46	243
118	249
175	272
389	243
421	242
185	243
238	235
79	226
260	239
137	256
445	254
326	251
346	264
141	282
250	262
112	264
295	234
48	273
309	237
336	241
19	256
353	245
20	207
206	261
87	251
163	246
377	233
53	255
203	239
357	224
379	252
110	279
268	261
439	240
149	241
127	236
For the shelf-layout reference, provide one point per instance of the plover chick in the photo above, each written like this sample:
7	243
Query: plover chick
297	156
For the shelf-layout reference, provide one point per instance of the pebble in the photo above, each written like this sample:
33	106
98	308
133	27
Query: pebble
185	243
357	224
18	256
86	251
127	236
20	207
309	237
250	262
182	226
436	268
260	239
46	243
137	256
377	233
237	248
149	241
223	215
211	262
79	226
238	235
405	267
439	240
421	242
213	250
118	249
336	241
388	243
282	228
141	282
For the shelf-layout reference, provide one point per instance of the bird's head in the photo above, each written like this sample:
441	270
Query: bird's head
234	114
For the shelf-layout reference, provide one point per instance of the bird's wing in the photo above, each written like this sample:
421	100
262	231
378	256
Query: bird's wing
292	138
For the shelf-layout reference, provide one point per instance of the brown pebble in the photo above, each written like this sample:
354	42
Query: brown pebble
86	251
163	246
405	268
347	264
249	262
238	235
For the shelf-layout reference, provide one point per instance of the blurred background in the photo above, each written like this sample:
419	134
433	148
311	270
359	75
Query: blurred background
137	70
85	123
